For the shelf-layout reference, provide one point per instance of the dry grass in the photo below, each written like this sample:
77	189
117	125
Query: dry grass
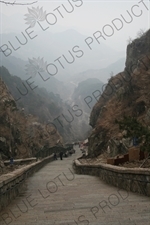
15	124
127	106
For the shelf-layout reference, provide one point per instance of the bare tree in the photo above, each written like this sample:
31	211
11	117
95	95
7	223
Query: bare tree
140	33
111	74
129	41
15	3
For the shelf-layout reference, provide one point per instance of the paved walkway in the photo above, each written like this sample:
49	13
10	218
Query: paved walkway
55	195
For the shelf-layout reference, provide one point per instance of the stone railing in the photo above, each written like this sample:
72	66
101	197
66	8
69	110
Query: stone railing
20	161
12	183
131	179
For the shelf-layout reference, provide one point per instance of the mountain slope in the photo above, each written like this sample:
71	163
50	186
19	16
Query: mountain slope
49	108
17	67
126	94
102	74
21	136
59	45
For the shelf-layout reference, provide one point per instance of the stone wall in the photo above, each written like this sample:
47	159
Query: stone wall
12	184
131	179
20	161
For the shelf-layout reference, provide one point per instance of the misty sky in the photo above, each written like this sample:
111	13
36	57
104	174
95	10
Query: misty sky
106	24
87	18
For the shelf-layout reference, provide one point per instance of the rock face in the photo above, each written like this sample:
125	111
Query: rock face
21	136
47	106
136	50
126	94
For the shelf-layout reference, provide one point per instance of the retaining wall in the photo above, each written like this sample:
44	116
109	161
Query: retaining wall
12	184
131	179
20	161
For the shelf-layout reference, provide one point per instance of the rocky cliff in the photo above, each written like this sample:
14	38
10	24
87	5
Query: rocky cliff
47	106
21	135
126	94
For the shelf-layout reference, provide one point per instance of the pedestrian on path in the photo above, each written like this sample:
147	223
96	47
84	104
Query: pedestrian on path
11	161
55	156
61	155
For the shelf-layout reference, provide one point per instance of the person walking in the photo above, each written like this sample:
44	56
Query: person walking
55	156
61	155
11	161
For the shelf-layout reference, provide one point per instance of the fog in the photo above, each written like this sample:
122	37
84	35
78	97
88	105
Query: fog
74	23
62	54
72	37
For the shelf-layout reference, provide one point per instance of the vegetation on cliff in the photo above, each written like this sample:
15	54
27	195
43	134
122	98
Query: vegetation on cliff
126	95
22	135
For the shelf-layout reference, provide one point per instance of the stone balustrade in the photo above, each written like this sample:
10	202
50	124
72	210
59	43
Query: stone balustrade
11	184
131	179
20	161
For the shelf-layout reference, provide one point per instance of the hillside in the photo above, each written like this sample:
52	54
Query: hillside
126	95
17	67
104	72
48	107
21	136
59	44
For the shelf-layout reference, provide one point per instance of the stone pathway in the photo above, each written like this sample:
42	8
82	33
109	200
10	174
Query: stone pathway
55	195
